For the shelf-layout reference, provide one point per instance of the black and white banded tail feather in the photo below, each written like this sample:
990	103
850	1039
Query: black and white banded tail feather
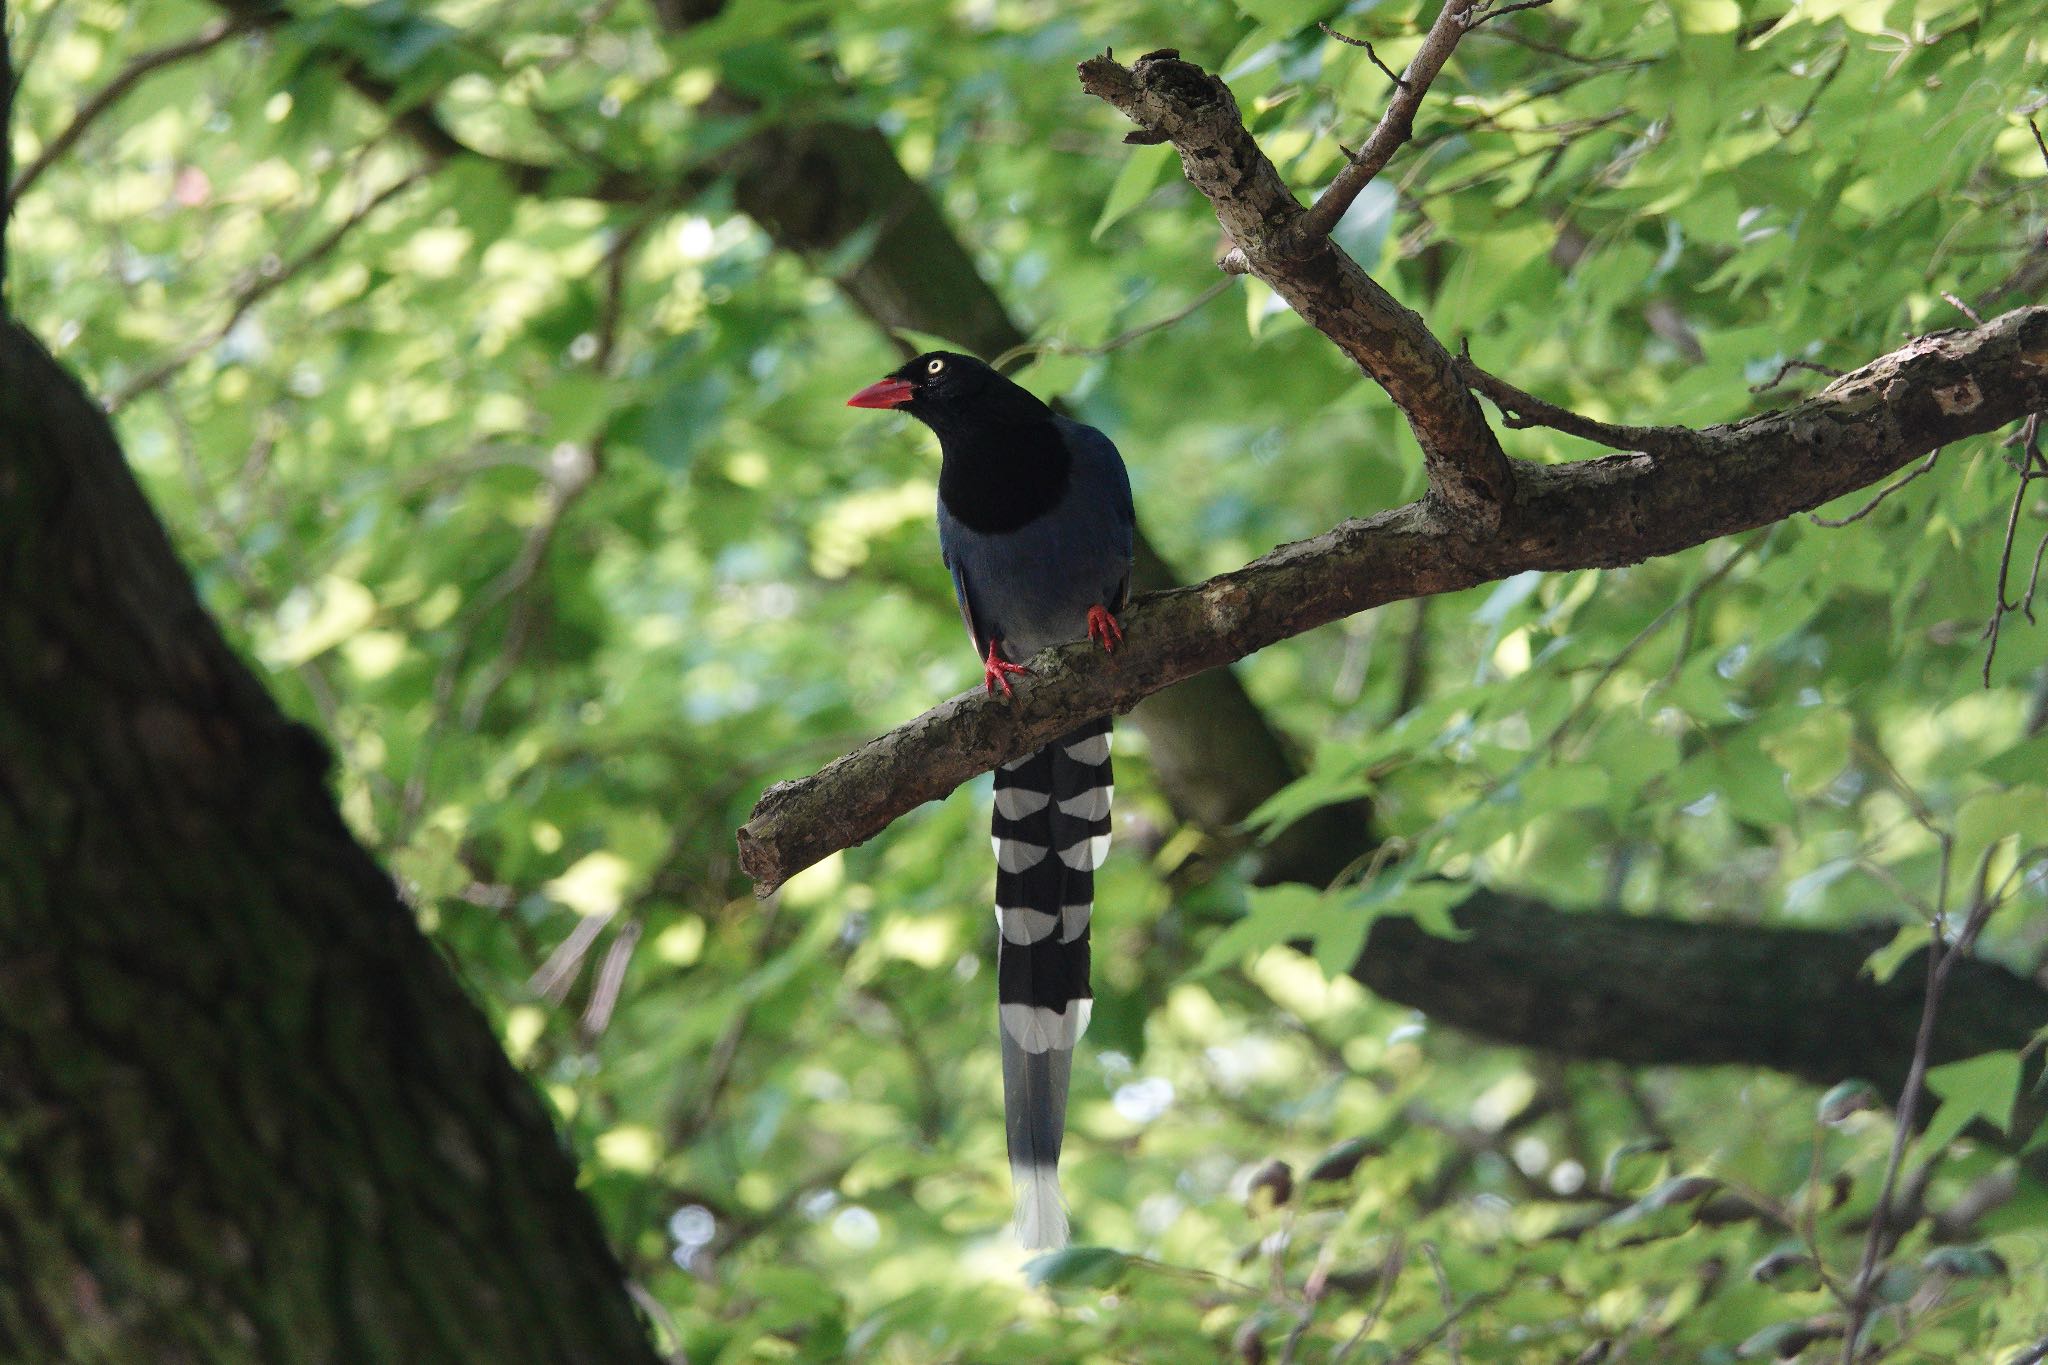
1051	832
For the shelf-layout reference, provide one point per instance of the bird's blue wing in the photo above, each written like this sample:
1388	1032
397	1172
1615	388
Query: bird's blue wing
1105	484
963	591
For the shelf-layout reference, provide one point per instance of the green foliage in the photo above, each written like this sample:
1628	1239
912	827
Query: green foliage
546	511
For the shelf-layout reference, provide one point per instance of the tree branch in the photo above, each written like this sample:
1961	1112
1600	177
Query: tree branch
1519	409
1470	478
418	121
129	76
1669	992
1619	509
1397	124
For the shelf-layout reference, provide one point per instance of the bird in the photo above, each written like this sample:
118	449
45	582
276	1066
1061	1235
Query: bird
1035	526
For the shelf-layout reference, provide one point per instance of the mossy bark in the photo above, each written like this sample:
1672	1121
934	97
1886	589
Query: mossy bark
246	1111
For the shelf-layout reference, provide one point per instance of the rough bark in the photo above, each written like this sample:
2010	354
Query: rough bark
1279	241
249	1114
1593	513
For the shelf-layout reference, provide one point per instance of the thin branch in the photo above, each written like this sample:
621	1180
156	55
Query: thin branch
258	288
1054	346
1390	1268
415	117
1371	55
1942	958
1492	12
611	979
1924	467
1685	603
1447	1299
1397	124
1609	511
1520	410
2033	465
110	94
570	471
1272	237
1820	88
1813	365
1962	308
1449	1323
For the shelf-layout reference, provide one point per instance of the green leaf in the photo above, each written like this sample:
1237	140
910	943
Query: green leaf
2023	762
1707	16
1885	962
1284	16
1812	751
1142	171
1275	915
1325	784
1985	1087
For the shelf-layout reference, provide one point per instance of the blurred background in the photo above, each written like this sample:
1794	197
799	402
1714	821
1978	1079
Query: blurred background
486	360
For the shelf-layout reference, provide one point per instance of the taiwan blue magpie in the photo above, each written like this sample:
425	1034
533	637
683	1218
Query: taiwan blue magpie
1035	525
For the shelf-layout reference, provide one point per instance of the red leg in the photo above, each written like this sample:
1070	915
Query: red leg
995	668
1103	629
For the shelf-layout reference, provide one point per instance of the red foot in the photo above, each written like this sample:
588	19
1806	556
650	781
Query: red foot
995	668
1103	629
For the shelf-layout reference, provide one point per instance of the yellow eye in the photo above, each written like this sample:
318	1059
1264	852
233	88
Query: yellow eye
935	367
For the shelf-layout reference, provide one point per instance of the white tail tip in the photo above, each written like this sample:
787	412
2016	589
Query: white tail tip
1041	1213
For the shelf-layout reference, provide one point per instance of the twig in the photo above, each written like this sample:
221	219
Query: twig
1054	346
2039	141
1492	12
1447	1299
2038	1352
1519	409
1397	124
1894	486
1450	1322
2033	465
1813	100
1371	55
1963	308
1792	365
1942	958
125	80
1690	599
1390	1270
570	471
1470	479
552	980
257	289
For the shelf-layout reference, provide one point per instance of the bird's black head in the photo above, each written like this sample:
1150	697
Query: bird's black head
952	394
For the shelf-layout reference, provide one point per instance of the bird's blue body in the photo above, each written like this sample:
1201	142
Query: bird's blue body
1035	524
1031	587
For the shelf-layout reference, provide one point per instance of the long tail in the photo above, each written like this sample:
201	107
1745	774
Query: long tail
1051	832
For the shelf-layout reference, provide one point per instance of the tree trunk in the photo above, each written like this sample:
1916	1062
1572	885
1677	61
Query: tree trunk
246	1111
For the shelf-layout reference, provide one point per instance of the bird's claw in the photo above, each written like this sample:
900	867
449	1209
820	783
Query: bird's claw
1103	629
995	670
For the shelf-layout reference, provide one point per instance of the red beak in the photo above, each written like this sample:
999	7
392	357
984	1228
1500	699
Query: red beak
883	393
